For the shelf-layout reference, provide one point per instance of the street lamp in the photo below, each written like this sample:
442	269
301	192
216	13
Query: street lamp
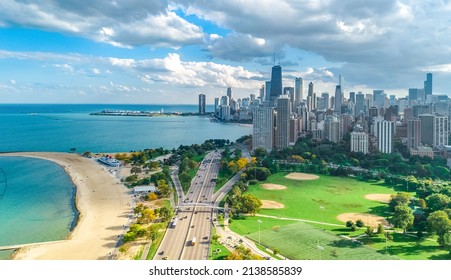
322	216
259	222
320	248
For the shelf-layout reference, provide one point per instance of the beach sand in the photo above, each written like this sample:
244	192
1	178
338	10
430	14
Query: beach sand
104	206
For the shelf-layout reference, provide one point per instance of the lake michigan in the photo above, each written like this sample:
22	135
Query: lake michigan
38	203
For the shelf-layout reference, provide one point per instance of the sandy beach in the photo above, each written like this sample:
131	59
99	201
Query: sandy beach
104	206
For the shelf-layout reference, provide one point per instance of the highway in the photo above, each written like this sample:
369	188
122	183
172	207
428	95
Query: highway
194	220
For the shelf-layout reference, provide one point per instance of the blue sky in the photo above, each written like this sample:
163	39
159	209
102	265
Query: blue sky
151	51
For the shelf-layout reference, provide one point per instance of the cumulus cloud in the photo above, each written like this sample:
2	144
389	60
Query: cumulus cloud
239	47
397	37
122	23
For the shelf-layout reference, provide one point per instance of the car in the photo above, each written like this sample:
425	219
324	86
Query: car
166	258
195	212
192	226
161	253
205	237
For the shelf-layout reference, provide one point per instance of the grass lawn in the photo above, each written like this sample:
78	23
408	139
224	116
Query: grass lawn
222	179
302	199
217	251
302	241
410	248
247	224
155	244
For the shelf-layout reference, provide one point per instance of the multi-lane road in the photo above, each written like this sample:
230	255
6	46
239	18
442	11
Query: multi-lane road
194	214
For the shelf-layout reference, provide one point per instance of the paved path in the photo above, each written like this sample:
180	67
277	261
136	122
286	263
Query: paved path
299	220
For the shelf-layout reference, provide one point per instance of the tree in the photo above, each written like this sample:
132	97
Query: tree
147	216
401	198
359	223
135	170
403	217
447	241
152	196
349	224
166	213
437	202
250	203
380	229
241	163
164	188
439	223
369	231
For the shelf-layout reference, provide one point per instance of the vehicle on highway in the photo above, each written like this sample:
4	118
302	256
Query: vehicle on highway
192	226
166	258
161	253
195	212
193	241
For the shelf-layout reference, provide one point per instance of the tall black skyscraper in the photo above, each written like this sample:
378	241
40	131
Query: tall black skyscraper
428	85
276	82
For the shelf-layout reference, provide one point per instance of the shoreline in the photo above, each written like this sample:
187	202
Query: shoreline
103	205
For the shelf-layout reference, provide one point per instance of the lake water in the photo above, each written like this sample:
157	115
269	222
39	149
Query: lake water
38	204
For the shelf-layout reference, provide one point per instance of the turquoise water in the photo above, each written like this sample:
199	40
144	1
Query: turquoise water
62	127
37	204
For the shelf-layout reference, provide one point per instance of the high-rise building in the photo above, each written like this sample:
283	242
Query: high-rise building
352	97
216	104
311	98
294	129
434	130
416	94
338	99
229	93
359	108
441	130
282	135
384	132
290	92
428	86
201	104
263	128
262	93
379	98
268	92
332	129
225	100
298	90
422	110
359	142
276	82
413	133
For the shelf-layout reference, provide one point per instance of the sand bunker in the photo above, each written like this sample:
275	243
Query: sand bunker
301	176
368	219
385	198
270	204
273	187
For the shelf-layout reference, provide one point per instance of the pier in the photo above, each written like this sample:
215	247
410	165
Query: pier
17	246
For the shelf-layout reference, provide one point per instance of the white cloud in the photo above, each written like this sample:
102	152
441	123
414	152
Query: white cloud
121	23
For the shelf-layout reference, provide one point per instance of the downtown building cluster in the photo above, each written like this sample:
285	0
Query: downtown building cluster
371	121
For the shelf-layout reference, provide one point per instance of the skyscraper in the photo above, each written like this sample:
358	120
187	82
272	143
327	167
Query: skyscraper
359	104
413	133
311	98
428	86
338	99
352	97
384	131
282	135
359	142
434	130
268	92
298	90
229	93
201	104
263	128
276	82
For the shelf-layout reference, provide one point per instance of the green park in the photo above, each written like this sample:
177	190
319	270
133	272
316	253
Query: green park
306	219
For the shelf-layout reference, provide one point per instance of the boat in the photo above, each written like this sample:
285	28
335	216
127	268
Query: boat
110	161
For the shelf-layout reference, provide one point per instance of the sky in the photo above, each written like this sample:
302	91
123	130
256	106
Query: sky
169	52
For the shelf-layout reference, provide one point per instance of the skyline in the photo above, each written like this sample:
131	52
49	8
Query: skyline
158	52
